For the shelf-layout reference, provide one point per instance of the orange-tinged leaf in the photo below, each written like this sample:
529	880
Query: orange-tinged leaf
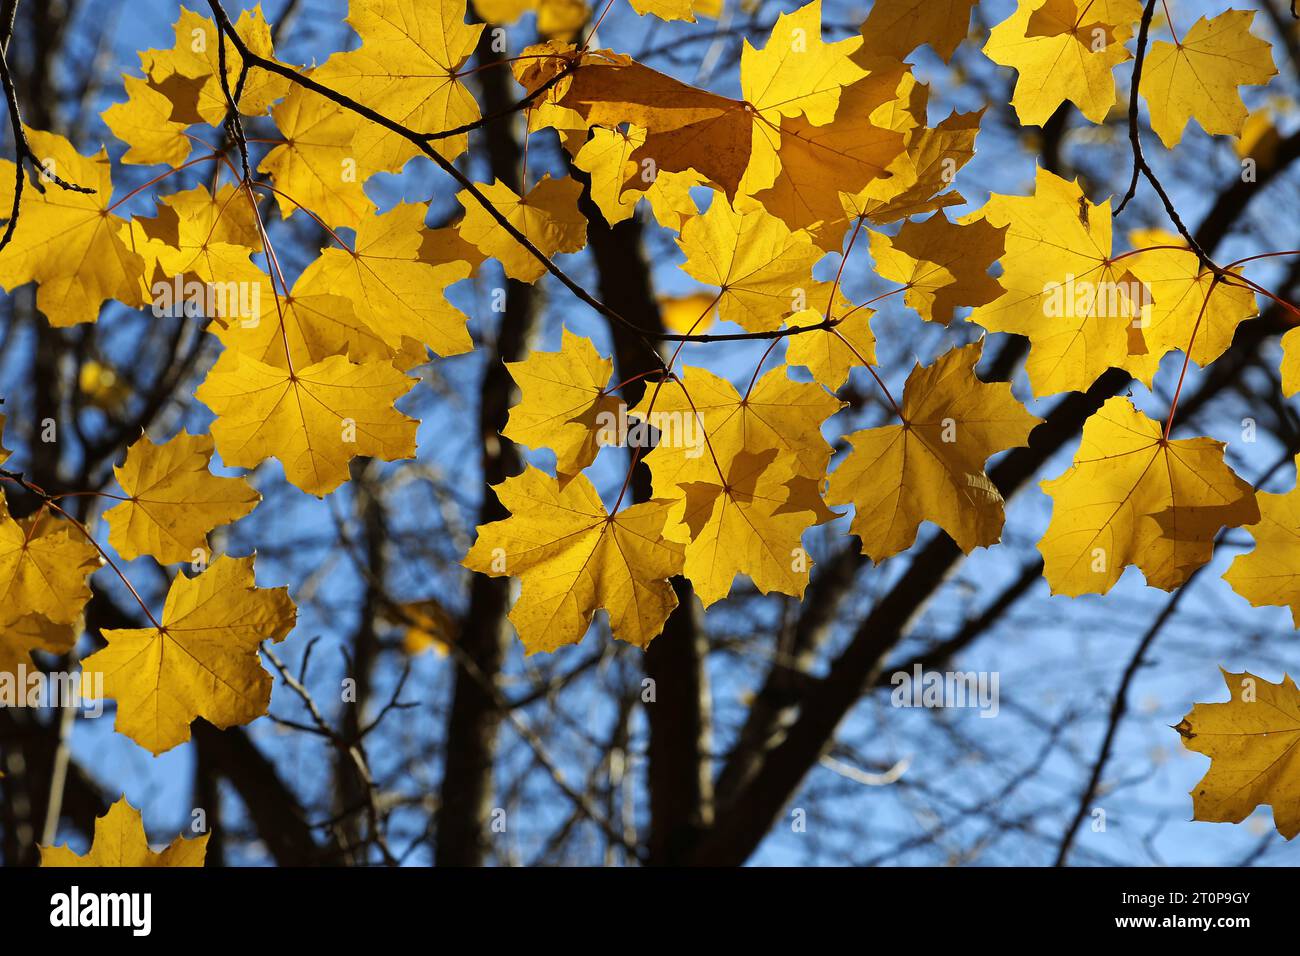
931	467
1131	497
920	175
120	841
201	661
312	420
943	265
173	500
1253	742
687	128
894	28
819	163
572	558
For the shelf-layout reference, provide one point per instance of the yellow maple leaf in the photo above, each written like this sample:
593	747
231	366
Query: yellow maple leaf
202	236
1133	497
562	19
573	558
1252	744
44	564
1270	574
316	168
303	328
762	269
1062	50
894	28
1259	138
312	420
931	466
173	500
407	68
796	72
196	58
1188	305
564	405
548	216
394	293
144	123
748	518
191	219
704	422
67	241
920	174
607	156
665	9
831	354
1081	310
201	661
120	840
943	265
1197	78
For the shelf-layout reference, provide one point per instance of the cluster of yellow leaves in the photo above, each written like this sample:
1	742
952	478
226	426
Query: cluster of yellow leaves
311	375
831	136
1066	50
826	139
1084	307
